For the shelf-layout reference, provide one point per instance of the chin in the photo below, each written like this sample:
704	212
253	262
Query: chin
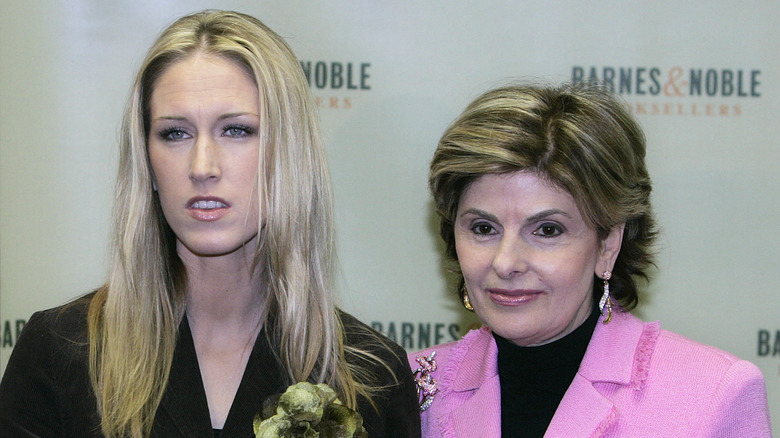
518	333
216	247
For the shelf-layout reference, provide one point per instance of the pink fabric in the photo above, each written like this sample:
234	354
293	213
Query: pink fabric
635	380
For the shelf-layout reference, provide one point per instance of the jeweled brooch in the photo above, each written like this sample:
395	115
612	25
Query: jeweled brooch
427	386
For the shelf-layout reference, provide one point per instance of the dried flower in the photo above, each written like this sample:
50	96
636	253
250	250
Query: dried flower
308	411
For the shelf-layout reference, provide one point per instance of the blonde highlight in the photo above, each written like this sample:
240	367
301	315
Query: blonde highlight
579	137
133	320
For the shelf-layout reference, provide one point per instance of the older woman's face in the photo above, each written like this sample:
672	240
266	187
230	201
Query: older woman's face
204	148
528	257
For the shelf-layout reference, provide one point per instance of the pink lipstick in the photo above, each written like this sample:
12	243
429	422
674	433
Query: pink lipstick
514	297
207	208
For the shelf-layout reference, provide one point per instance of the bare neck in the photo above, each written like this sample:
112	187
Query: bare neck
222	291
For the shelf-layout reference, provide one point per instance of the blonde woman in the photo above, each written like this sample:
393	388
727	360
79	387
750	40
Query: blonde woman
220	292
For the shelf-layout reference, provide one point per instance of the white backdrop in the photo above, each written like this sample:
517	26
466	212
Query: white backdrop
704	82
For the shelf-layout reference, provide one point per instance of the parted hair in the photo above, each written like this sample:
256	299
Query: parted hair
581	138
133	319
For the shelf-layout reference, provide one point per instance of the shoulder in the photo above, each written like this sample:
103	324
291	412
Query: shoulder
59	327
54	337
661	353
693	387
393	411
358	335
672	353
726	395
670	343
45	387
379	357
700	364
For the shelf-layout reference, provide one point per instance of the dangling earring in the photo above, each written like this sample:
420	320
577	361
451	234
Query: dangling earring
605	301
466	302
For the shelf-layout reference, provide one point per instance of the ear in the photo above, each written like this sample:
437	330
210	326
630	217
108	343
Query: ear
610	247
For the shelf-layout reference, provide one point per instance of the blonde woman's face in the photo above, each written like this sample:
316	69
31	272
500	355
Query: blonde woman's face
528	257
204	149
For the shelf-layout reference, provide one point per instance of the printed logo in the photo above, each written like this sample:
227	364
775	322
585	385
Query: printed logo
417	336
678	91
334	83
768	343
11	330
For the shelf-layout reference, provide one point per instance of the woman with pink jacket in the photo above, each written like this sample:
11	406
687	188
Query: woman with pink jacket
544	202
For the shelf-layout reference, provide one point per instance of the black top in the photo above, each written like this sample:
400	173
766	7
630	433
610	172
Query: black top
534	379
45	390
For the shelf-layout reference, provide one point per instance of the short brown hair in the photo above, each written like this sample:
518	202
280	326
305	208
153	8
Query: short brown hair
579	137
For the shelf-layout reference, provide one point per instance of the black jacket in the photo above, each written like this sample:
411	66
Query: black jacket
45	391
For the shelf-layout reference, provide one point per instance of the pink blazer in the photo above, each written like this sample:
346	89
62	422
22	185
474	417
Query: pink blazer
635	380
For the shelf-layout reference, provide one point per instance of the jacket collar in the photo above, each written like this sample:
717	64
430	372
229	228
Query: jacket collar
473	367
477	361
263	377
184	409
619	353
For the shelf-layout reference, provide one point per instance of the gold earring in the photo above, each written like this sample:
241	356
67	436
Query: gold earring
466	301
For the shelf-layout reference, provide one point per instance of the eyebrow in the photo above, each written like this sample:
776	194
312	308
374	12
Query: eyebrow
530	219
231	115
481	213
222	117
547	213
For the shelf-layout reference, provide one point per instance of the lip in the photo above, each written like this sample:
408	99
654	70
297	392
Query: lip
513	297
207	208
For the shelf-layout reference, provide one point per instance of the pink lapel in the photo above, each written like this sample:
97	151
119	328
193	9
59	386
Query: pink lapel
479	416
470	406
475	395
618	353
583	412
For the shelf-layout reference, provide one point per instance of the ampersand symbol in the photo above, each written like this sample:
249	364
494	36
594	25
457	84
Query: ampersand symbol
671	88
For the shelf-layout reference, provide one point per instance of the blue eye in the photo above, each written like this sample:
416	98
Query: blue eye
238	131
173	134
548	230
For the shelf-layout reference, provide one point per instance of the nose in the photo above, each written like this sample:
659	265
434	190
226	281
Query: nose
204	160
510	257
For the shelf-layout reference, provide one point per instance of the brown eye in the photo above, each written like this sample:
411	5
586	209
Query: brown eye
548	230
482	228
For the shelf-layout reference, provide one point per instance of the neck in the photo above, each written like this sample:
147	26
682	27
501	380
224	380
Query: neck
223	290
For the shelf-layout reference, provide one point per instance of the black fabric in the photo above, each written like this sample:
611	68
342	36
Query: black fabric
45	391
534	379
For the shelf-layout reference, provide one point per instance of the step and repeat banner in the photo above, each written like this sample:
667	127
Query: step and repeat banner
702	78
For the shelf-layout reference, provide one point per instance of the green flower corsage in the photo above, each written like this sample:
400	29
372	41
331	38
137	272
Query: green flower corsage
308	411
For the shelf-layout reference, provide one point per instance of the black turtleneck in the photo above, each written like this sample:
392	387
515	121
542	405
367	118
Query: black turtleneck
534	379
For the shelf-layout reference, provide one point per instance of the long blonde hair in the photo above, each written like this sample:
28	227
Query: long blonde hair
133	319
